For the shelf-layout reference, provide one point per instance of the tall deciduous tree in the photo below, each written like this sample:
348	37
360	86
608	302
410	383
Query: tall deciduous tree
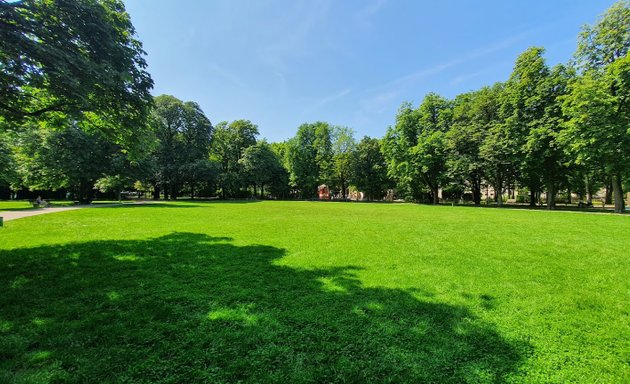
309	157
262	167
606	41
370	169
183	134
79	57
228	145
429	155
474	114
396	147
71	159
544	152
523	108
599	102
500	147
343	147
597	132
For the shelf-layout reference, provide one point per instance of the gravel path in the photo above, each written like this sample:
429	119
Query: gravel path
12	215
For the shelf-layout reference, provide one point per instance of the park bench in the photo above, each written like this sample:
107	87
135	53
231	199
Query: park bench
46	205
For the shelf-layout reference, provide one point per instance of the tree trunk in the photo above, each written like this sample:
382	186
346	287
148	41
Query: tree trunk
476	191
435	192
618	194
262	188
192	191
551	195
532	196
498	192
569	195
85	191
172	193
609	191
156	192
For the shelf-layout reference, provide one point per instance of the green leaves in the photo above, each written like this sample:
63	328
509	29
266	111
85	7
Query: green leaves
227	147
606	41
73	57
183	135
309	158
370	169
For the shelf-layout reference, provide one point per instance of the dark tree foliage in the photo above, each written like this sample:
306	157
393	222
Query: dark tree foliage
183	136
370	169
228	145
72	159
309	158
262	168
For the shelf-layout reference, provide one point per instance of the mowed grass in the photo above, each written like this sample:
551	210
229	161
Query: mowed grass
15	205
23	205
314	292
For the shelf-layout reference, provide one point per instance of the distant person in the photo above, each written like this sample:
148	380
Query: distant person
41	202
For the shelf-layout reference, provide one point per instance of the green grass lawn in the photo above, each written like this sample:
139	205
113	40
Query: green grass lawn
14	205
294	292
22	205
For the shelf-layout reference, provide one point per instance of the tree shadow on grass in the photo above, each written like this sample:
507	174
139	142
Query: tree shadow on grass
193	308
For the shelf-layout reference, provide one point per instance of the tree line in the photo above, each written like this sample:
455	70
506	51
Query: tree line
77	115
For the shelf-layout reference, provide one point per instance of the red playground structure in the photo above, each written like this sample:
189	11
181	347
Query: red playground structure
324	192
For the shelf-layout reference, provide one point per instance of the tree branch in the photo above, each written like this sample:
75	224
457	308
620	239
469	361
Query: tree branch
58	107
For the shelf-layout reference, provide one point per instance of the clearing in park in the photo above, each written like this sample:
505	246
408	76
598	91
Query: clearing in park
294	292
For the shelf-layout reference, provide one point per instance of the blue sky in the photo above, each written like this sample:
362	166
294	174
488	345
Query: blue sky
352	63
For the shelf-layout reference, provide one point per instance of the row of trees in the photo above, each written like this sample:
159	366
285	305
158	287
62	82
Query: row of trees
78	116
544	129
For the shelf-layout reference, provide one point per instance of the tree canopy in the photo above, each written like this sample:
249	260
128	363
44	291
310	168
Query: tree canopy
76	57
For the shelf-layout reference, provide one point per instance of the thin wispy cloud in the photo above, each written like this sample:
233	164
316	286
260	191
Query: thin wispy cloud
378	102
315	104
463	78
424	73
330	98
291	39
215	69
384	97
371	9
